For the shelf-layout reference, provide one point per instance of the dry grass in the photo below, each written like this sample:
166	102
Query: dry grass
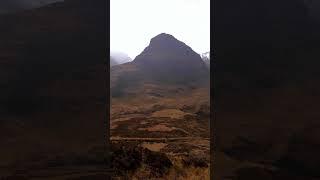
158	127
151	114
154	146
190	173
143	103
180	171
170	113
177	172
173	174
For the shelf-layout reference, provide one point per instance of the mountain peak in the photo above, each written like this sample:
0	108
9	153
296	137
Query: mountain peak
166	41
168	58
163	36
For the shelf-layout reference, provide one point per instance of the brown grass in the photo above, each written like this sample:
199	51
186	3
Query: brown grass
170	113
190	173
158	118
158	127
154	146
177	172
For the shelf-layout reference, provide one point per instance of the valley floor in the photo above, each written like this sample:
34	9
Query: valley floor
175	126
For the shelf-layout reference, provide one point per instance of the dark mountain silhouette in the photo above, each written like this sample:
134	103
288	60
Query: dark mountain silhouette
52	95
168	58
166	61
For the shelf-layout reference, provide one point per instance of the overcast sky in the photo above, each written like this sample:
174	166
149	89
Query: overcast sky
134	22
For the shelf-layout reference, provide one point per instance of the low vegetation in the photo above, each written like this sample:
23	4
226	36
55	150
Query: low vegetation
131	160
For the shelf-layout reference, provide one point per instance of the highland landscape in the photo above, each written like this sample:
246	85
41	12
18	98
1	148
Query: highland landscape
160	106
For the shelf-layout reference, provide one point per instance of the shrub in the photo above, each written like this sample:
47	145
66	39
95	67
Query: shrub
195	160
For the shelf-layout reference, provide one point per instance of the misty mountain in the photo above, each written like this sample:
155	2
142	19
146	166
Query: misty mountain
113	62
120	57
166	61
16	5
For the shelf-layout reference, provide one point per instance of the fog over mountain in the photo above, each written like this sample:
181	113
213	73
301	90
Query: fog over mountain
16	5
206	58
113	62
119	57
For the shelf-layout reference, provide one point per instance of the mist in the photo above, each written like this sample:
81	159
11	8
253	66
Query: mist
120	57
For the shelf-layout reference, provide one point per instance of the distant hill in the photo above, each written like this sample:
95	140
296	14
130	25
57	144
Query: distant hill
119	57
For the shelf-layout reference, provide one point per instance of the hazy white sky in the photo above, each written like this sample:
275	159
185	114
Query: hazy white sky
134	22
